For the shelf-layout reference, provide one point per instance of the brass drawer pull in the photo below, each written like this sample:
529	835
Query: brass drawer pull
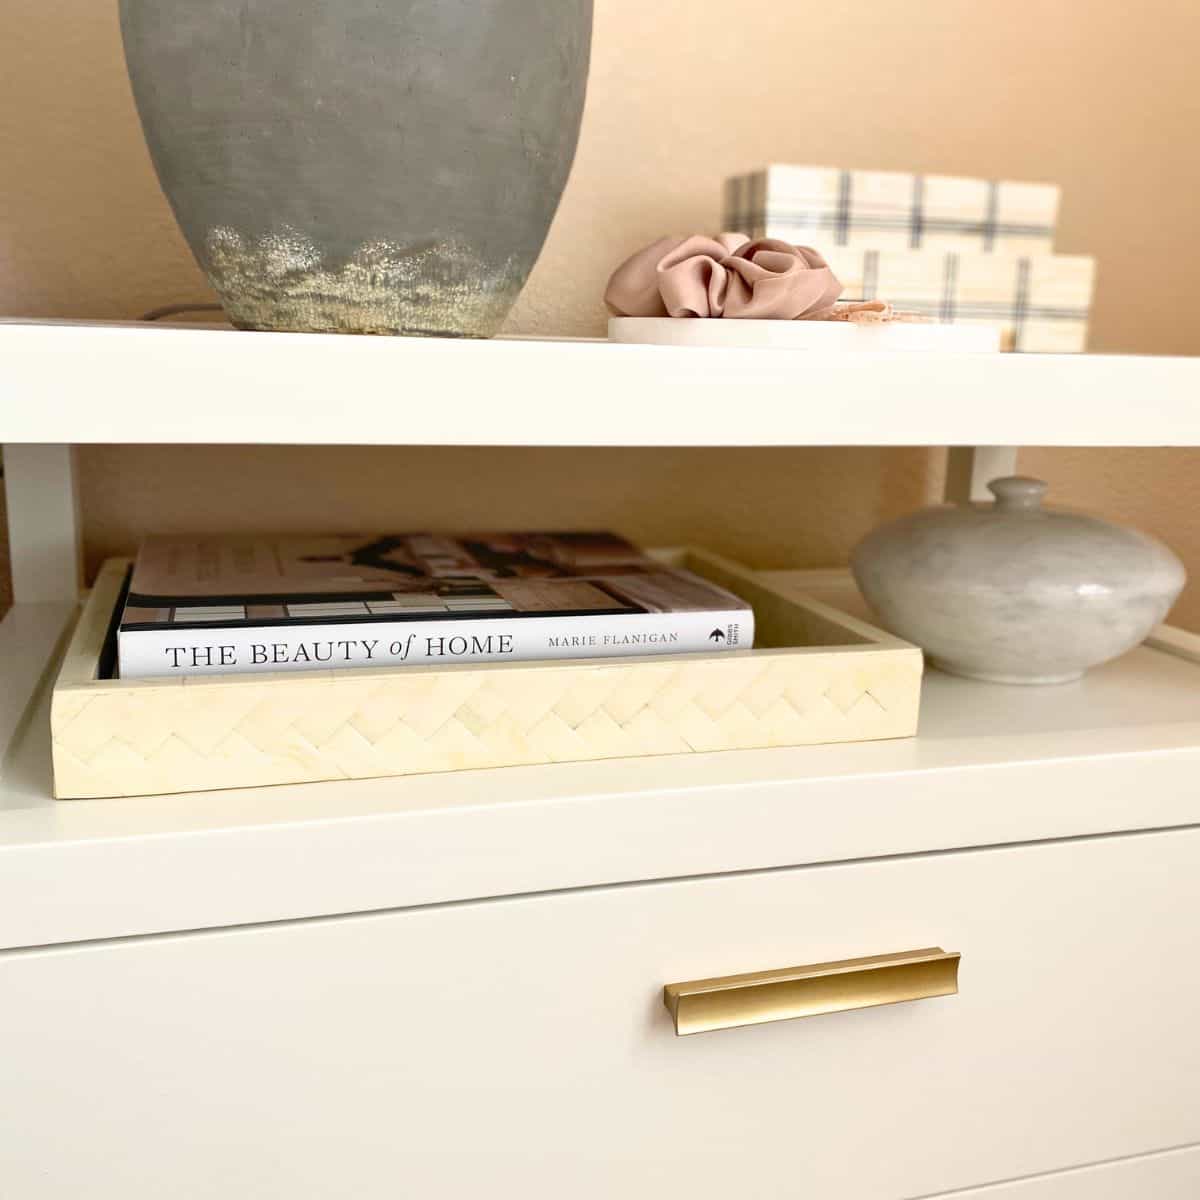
705	1004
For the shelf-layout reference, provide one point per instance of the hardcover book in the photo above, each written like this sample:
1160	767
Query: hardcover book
213	605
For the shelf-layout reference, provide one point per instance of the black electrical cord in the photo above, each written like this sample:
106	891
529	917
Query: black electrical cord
173	310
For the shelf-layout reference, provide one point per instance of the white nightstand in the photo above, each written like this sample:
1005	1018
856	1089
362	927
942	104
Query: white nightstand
451	986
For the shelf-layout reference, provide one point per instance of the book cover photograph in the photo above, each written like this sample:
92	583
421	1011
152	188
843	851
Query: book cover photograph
209	605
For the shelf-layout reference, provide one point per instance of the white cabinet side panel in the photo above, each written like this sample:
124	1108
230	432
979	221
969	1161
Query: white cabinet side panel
43	523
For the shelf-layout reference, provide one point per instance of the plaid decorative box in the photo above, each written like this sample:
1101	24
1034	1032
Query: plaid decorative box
1041	302
889	210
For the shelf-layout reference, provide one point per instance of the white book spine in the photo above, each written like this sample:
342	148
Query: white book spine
151	653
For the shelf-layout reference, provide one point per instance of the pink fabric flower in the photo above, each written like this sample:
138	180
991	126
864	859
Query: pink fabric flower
723	276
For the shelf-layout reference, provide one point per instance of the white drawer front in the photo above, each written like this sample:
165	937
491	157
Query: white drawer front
1172	1175
520	1047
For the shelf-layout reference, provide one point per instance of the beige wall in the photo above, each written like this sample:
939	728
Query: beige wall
1097	95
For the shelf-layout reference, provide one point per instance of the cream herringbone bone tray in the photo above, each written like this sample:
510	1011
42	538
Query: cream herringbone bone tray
815	676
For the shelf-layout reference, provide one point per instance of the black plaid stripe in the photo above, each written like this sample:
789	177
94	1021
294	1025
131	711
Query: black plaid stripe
916	216
993	216
1020	305
842	227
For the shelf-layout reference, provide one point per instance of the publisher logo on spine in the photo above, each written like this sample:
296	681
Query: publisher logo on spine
724	638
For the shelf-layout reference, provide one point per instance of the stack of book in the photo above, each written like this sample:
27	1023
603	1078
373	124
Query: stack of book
963	251
216	605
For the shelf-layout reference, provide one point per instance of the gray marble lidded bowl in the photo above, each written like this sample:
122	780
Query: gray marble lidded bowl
362	166
1012	592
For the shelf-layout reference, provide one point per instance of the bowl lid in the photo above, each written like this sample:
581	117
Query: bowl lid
1016	540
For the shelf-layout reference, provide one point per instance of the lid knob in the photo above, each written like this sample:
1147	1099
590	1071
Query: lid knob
1017	492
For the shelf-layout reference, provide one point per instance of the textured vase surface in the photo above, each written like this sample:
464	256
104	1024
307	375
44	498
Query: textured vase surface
372	166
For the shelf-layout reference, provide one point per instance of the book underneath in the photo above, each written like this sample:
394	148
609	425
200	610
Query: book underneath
223	605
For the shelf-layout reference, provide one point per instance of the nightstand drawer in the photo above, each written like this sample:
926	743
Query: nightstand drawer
1168	1175
521	1047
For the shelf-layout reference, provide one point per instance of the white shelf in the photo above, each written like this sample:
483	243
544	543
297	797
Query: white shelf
63	382
1120	751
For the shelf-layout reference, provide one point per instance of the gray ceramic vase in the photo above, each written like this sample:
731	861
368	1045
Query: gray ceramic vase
1013	592
366	166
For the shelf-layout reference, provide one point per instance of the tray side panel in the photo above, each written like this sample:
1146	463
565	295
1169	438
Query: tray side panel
87	645
786	617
